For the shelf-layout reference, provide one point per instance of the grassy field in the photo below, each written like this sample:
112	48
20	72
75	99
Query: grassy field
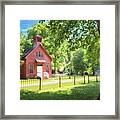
81	91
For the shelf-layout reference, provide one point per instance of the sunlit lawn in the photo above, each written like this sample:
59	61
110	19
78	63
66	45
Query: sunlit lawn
33	85
67	91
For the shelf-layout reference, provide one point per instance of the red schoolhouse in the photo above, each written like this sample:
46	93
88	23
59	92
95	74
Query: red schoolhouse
36	61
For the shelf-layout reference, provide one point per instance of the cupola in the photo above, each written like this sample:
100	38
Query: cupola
37	39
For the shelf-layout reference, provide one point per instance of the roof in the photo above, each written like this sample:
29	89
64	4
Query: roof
29	50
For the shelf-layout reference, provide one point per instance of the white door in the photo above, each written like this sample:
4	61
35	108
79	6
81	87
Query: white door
39	71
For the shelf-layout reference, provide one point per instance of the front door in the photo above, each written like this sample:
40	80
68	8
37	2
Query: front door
39	71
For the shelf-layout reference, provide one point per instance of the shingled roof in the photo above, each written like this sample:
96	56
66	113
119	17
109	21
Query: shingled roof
27	51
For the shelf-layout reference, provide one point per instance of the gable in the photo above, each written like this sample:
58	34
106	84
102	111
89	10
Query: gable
36	49
46	52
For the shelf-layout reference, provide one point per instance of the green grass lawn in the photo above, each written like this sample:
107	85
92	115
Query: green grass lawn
68	91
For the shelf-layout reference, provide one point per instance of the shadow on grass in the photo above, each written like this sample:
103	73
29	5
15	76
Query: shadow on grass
89	91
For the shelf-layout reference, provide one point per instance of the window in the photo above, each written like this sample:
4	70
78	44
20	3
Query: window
31	68
40	54
36	54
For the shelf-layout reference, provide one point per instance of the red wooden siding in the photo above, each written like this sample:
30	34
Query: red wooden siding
31	59
23	67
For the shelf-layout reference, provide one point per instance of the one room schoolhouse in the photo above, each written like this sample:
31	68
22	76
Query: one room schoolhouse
36	61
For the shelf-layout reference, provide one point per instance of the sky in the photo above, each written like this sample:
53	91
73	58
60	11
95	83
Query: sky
25	24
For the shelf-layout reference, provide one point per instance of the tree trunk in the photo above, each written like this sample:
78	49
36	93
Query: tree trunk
98	25
82	73
93	72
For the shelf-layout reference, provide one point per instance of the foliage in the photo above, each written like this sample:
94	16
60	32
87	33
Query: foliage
63	37
78	60
24	43
38	29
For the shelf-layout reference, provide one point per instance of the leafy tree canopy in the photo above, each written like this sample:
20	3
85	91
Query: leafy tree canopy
63	37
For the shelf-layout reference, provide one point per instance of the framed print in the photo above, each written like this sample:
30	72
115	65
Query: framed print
60	59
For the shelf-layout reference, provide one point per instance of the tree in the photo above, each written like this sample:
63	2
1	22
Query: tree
38	29
93	49
78	60
62	37
25	43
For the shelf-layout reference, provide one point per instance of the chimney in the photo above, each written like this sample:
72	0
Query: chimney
37	40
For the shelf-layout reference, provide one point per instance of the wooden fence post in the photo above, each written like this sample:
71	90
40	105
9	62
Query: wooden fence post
69	77
74	80
84	79
59	81
40	87
88	79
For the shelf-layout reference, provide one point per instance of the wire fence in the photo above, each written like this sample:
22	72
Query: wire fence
56	82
